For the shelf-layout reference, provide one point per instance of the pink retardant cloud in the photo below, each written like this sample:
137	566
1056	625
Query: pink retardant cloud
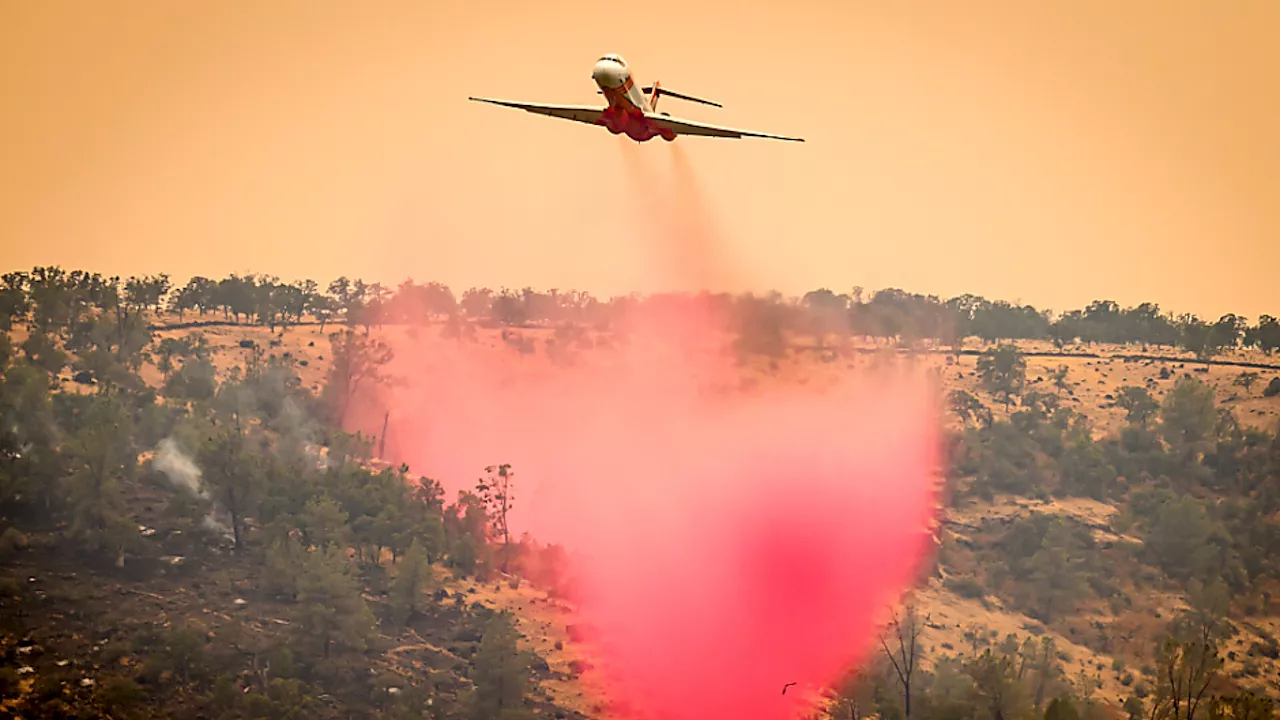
725	543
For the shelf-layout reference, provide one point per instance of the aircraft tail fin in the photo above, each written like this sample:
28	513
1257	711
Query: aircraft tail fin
656	90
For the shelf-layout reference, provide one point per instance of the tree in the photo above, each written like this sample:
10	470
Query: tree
1061	709
1246	380
1210	603
1188	414
195	380
495	493
1056	577
42	351
508	309
995	681
1180	538
1198	338
1226	333
857	692
1140	407
232	473
965	405
425	513
324	524
31	468
1060	382
1003	371
1186	666
14	301
322	308
501	672
904	654
101	456
411	582
357	360
331	608
827	312
197	294
1084	469
51	299
477	303
1046	665
1265	335
1243	705
168	349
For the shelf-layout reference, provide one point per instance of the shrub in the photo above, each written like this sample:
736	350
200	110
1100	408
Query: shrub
9	587
12	541
966	587
121	694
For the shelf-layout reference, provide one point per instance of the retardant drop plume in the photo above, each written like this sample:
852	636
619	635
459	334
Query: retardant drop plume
725	542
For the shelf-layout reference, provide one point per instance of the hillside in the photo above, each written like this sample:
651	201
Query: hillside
1075	510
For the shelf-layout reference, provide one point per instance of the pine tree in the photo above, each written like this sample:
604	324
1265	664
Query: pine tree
412	581
501	672
332	609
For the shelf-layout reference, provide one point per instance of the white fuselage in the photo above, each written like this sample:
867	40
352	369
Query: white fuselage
613	77
627	102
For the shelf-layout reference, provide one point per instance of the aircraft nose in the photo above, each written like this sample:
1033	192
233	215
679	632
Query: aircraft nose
608	74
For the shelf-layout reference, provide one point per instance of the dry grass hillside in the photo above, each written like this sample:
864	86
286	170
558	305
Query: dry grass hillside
957	624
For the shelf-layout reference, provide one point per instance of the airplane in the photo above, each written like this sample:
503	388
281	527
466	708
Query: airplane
629	111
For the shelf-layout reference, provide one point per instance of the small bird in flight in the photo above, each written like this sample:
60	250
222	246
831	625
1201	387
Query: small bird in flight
784	687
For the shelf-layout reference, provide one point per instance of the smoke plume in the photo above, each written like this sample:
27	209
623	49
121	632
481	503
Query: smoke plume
178	467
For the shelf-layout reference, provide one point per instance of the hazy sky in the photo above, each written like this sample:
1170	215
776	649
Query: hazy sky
1051	152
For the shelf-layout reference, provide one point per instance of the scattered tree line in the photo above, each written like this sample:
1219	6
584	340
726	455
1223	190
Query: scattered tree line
52	299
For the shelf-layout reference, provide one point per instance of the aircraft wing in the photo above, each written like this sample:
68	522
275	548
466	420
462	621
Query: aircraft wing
582	113
689	127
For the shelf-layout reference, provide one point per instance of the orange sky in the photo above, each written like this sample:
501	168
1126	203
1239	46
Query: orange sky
1101	149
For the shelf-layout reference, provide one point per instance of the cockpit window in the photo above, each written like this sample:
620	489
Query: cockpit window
613	58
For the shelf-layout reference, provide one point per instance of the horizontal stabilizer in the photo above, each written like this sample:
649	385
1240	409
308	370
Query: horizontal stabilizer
662	92
648	90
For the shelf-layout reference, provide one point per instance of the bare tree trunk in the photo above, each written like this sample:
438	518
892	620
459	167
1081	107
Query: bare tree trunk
906	659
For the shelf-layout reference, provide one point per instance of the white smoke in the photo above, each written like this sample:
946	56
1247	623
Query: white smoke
184	474
317	455
293	422
214	525
178	467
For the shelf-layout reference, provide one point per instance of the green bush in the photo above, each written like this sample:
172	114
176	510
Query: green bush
12	541
967	587
120	694
10	587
